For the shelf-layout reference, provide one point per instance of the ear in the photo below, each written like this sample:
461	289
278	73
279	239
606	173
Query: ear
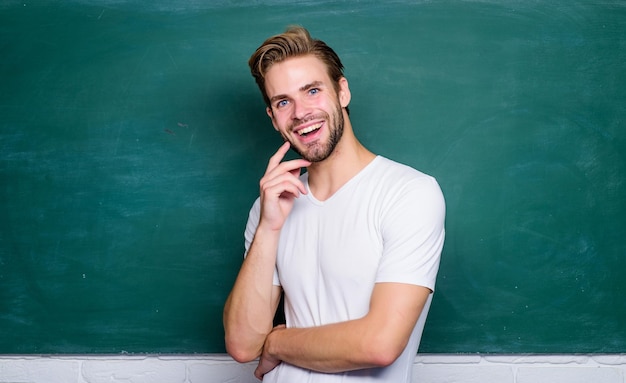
270	114
344	92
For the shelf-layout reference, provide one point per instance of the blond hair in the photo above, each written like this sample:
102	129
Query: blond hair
294	42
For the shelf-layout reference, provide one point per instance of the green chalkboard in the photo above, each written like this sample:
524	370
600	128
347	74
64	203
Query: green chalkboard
132	138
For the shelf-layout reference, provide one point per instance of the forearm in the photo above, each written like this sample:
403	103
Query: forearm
332	348
375	340
250	308
251	305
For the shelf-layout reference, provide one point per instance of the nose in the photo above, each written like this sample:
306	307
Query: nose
300	110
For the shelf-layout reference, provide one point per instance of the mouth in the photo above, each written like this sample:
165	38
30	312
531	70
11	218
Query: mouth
309	129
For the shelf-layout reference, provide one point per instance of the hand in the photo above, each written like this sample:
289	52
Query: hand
279	186
267	363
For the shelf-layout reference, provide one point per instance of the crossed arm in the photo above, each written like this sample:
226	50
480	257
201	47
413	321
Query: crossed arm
375	340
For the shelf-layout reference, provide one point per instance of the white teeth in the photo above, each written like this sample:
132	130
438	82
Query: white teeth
309	129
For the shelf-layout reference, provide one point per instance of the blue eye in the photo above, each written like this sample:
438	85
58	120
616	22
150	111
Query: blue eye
313	91
281	103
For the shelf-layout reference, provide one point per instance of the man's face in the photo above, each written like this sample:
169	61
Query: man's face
304	107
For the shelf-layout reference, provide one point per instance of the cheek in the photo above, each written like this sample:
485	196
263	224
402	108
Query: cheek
281	125
275	125
278	121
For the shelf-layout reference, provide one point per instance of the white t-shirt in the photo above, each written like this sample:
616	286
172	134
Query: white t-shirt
384	225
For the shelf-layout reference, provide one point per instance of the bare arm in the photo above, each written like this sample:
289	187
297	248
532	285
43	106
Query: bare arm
376	340
251	305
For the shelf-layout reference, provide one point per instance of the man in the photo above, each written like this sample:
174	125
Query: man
353	244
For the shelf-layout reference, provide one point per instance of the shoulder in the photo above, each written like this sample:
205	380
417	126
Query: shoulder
397	175
406	192
394	169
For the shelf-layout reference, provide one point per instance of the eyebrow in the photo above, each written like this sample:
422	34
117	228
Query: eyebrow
314	84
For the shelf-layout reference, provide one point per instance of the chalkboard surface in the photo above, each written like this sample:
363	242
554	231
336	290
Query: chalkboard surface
132	138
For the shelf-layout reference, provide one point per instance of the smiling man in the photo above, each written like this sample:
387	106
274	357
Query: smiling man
353	243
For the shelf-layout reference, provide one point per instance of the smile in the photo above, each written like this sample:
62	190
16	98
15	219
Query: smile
309	129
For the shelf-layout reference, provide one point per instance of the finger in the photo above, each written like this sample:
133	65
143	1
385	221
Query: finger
285	181
286	184
286	171
278	156
257	374
289	166
296	172
286	166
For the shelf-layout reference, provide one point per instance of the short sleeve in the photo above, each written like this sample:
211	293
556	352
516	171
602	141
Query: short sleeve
413	233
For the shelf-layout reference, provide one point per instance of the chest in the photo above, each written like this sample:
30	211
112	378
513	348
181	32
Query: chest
332	250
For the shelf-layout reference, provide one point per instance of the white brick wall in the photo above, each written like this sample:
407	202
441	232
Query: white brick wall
222	369
520	369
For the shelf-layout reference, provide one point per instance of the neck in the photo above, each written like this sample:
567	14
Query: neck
346	161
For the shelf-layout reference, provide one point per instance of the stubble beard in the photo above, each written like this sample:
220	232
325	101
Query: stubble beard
319	151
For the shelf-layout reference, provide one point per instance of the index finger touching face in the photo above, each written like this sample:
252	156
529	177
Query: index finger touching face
278	156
